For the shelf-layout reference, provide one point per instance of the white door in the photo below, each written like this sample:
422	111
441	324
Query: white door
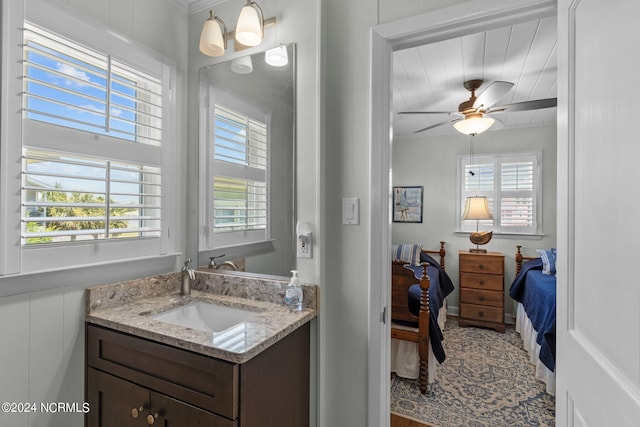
598	341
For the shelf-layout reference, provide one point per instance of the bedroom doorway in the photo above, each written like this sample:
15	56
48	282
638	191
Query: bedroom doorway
468	18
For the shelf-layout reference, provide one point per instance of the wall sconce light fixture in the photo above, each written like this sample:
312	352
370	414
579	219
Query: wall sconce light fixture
277	56
213	39
242	65
250	26
249	30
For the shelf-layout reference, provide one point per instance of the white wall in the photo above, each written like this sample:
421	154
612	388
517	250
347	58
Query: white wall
42	333
346	34
431	162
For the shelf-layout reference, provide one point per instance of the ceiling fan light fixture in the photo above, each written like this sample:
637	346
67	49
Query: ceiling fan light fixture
474	124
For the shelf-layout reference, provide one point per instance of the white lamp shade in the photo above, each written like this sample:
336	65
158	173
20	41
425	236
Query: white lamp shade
242	65
211	39
249	27
277	57
473	125
477	208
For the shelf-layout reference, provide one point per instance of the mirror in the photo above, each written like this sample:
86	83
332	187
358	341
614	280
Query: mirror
247	164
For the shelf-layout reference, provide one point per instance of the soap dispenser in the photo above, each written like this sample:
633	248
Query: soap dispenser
293	295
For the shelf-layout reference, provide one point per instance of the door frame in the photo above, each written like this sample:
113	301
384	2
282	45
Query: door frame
442	24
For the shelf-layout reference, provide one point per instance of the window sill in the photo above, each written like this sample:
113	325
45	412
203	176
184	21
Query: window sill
88	275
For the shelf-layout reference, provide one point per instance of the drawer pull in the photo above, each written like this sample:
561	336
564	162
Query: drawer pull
481	314
481	297
481	266
481	282
152	418
136	411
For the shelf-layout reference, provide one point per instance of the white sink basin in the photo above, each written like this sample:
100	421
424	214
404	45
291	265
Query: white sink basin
206	317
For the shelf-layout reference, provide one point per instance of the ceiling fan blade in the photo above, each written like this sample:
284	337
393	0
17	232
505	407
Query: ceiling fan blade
438	124
526	105
492	94
424	112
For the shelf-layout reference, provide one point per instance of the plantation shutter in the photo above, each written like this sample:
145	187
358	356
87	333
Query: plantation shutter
240	166
479	180
517	213
77	186
70	85
512	188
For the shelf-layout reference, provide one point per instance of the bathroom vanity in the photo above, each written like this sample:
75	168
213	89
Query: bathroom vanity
143	371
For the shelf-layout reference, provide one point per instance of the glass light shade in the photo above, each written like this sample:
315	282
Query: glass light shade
477	208
473	125
249	28
212	38
242	65
277	57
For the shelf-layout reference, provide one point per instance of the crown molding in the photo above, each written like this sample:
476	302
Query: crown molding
196	6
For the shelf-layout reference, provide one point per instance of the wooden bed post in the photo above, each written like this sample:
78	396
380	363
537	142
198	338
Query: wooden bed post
442	254
519	259
423	328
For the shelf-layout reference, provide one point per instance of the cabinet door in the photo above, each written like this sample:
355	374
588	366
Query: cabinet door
167	412
115	402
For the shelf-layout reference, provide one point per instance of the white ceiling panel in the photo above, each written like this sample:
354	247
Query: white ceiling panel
431	77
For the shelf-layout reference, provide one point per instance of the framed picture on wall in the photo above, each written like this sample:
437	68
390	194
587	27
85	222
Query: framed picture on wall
407	204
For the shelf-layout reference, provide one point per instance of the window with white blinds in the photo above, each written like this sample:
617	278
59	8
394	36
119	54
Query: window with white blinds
239	170
75	189
69	198
68	84
511	184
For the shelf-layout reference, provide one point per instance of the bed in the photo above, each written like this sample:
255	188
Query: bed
419	287
534	290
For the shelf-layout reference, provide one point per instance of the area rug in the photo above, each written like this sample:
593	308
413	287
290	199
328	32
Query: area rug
486	381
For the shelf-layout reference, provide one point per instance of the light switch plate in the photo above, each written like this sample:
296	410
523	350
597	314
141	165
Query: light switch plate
351	210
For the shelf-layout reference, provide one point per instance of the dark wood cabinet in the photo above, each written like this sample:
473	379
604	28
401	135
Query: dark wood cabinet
119	403
482	290
132	381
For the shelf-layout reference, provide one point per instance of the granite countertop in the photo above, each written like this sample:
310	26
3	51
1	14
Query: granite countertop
130	306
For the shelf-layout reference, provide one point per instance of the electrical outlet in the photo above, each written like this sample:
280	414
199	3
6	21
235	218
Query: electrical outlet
304	246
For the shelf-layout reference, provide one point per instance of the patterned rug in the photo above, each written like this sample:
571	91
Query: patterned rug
486	381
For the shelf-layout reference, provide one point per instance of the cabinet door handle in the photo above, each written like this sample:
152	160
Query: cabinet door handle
152	418
136	411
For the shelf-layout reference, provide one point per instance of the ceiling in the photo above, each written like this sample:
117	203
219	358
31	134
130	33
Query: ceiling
431	77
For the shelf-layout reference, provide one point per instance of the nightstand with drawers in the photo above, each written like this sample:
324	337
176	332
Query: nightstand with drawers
482	289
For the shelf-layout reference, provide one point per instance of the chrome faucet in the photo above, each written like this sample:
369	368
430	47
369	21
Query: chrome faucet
213	265
188	274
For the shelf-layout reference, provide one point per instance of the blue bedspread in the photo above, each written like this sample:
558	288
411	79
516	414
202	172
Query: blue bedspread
440	286
537	293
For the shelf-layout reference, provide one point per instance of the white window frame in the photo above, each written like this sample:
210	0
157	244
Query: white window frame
60	19
210	95
495	195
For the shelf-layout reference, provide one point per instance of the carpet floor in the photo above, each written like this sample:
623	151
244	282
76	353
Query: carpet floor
485	381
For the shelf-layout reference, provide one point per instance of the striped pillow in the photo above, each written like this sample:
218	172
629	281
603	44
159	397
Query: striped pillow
406	253
548	257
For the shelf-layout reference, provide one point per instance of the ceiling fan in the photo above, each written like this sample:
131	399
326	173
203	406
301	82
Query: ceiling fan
474	115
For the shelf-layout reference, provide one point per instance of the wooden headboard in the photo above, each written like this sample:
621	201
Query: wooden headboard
521	258
401	280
